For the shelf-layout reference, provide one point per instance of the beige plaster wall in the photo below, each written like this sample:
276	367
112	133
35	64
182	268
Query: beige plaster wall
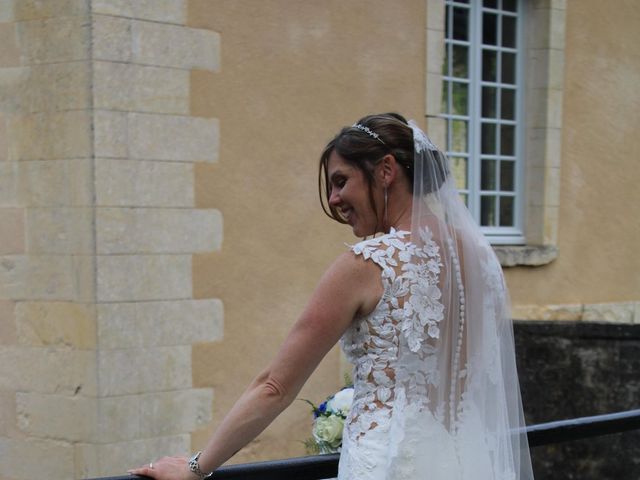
599	227
291	74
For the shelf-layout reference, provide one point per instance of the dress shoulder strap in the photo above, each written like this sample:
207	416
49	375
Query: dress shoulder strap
383	250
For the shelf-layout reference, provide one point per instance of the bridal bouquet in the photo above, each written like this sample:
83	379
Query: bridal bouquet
328	422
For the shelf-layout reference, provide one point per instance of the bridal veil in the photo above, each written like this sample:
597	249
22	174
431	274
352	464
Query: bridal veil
457	412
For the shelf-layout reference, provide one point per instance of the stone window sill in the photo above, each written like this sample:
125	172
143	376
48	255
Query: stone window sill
528	255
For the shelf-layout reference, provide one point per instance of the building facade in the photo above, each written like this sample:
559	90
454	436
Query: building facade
160	228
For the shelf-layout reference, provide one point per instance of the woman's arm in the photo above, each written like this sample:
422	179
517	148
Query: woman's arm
350	287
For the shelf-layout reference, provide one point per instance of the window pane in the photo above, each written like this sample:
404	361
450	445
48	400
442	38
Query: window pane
489	29
460	61
508	31
459	167
445	97
508	68
509	5
506	211
490	3
459	99
445	60
488	175
489	65
461	23
489	101
459	136
488	211
488	138
508	104
447	14
464	198
507	175
507	140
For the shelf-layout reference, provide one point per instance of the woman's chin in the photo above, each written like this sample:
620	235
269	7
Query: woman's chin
362	232
357	231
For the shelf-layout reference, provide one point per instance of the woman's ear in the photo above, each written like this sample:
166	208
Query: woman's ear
389	169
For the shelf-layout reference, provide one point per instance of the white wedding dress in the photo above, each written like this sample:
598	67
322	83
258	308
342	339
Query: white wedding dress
400	425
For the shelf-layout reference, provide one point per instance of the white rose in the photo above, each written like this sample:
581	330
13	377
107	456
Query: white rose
329	430
341	401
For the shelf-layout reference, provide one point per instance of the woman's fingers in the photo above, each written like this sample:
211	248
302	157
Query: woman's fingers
167	468
147	471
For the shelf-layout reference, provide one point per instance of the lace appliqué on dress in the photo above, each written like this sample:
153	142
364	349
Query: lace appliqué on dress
407	315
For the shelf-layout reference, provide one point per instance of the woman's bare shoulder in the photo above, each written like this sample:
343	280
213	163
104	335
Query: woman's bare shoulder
361	277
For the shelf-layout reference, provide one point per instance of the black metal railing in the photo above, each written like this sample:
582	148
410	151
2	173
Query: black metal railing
319	467
583	427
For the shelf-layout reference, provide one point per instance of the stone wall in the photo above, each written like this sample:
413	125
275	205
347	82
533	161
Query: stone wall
610	312
574	369
98	227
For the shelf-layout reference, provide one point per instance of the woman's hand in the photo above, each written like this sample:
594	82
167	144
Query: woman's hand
167	468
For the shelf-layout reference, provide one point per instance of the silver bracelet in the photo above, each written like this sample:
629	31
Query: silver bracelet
194	466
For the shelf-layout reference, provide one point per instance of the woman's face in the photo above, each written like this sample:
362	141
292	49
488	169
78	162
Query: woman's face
350	195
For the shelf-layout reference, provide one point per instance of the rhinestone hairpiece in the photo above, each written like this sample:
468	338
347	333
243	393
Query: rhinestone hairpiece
368	131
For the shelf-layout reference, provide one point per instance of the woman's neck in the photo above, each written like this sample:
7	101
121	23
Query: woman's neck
399	211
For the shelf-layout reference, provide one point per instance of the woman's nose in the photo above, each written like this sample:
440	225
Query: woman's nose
334	198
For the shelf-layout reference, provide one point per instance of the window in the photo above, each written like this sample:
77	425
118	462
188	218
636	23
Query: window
456	112
482	84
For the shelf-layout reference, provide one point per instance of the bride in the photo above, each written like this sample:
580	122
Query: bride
420	309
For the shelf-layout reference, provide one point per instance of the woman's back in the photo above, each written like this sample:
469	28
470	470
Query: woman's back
407	314
401	422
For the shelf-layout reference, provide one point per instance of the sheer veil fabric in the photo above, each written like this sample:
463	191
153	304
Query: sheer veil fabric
458	412
451	404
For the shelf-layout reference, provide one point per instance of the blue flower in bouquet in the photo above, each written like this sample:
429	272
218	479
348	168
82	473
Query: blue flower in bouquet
322	408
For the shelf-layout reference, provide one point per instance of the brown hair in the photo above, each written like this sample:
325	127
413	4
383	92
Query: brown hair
363	151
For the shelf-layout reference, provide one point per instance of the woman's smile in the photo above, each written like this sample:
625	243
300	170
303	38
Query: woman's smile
346	213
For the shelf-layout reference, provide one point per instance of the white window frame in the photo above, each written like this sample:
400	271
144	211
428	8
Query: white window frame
512	235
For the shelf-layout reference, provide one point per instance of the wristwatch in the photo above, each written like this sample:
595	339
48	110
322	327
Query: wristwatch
194	466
